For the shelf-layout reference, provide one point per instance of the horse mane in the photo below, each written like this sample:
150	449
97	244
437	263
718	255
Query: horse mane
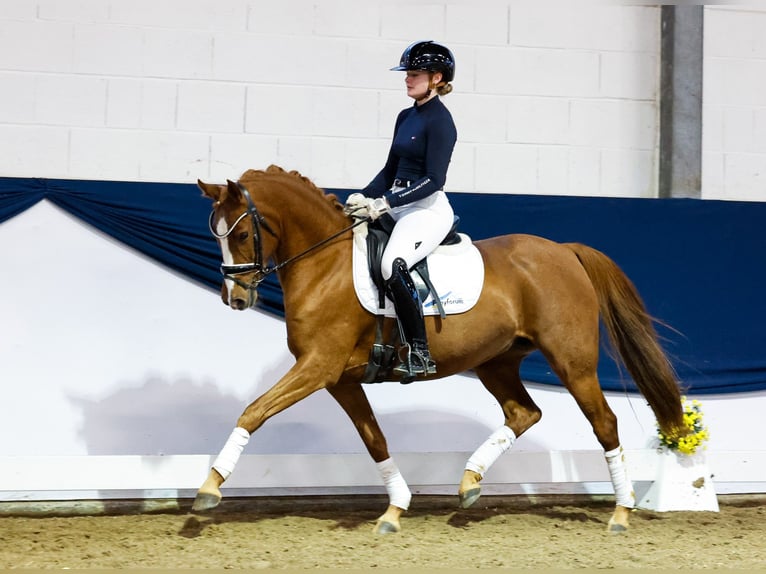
275	170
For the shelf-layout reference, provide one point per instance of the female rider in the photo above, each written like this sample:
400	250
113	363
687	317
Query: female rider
410	188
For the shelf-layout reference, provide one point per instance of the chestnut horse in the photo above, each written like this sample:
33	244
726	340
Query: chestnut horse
537	294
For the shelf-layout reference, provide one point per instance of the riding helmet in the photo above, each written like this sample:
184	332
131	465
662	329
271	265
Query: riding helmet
428	55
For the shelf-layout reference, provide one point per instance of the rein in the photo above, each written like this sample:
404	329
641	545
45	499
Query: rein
232	271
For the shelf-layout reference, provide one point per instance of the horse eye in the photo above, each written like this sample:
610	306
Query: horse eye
243	236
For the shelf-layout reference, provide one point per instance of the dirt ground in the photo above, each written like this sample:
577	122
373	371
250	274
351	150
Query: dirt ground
322	533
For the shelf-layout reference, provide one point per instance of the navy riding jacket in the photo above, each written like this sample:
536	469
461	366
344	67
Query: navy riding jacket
424	137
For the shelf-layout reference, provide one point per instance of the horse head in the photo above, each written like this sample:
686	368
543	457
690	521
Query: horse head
239	228
270	215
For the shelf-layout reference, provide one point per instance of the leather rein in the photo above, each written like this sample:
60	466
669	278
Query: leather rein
257	267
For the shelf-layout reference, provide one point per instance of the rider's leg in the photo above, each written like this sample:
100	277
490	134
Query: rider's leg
419	229
404	294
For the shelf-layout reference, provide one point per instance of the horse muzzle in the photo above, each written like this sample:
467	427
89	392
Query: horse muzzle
241	303
241	299
239	294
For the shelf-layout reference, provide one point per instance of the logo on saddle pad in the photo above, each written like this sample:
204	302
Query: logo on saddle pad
456	272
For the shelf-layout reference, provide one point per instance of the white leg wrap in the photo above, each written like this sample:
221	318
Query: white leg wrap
398	492
227	459
623	487
485	456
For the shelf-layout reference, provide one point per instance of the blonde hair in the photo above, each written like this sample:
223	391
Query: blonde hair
444	90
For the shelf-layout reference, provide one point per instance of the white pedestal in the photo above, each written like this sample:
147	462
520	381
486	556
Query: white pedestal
683	482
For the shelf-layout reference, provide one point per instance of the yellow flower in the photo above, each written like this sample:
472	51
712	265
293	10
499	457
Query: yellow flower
698	433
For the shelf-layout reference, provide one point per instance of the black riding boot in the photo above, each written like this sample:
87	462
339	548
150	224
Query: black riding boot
402	291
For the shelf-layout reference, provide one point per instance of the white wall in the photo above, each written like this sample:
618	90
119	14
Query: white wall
734	96
554	101
549	98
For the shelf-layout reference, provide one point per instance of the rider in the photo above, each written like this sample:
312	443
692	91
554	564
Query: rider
410	188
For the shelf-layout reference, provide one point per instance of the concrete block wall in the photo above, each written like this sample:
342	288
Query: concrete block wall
734	102
555	101
549	98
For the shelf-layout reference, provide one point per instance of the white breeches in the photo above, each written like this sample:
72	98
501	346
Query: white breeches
420	227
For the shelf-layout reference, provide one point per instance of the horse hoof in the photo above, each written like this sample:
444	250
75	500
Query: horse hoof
615	528
469	497
205	501
386	527
618	522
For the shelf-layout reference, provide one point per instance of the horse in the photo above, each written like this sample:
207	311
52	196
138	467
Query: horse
537	294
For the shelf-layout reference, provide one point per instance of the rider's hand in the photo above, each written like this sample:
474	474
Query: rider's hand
378	207
356	204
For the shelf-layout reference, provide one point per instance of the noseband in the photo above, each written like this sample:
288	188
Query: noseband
260	272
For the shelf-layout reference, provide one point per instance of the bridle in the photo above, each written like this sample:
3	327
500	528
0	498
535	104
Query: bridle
261	272
232	271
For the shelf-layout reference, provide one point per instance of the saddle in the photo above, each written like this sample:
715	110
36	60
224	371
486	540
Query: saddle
378	234
383	356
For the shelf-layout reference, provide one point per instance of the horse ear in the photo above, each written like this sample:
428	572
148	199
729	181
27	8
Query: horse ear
210	190
233	190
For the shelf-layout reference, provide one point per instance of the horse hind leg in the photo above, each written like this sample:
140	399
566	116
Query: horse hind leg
623	488
501	378
580	378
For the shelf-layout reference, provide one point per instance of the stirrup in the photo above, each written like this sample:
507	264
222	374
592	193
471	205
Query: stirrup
418	362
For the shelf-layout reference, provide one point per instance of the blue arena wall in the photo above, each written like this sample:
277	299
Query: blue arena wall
697	264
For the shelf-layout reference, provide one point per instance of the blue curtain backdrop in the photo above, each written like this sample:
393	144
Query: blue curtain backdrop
698	264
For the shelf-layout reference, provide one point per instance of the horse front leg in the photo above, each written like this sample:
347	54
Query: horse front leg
209	494
353	401
501	378
299	382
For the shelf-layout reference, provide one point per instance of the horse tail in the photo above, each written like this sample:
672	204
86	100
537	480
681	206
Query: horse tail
631	333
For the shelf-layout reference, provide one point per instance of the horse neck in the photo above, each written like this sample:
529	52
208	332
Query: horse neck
306	218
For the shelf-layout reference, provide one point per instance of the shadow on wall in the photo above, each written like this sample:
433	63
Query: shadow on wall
158	417
184	416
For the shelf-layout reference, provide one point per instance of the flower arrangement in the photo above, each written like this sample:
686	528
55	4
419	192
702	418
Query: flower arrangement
697	435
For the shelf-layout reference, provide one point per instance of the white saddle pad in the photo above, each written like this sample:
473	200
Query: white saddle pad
456	271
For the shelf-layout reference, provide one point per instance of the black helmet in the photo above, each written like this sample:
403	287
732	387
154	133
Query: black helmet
428	55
